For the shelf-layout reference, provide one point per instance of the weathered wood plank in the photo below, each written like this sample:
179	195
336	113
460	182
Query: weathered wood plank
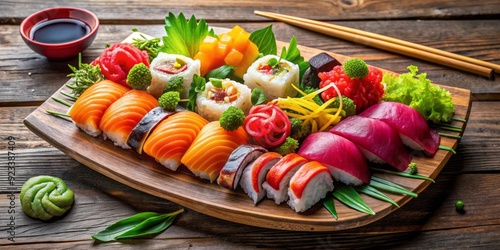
101	201
153	11
23	71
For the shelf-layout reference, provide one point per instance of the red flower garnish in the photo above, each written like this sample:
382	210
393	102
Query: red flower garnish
117	60
268	125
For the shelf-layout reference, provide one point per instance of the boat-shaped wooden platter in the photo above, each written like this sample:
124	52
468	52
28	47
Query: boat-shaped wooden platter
145	174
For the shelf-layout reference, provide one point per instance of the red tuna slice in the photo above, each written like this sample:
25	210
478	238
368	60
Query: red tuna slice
409	123
378	142
342	157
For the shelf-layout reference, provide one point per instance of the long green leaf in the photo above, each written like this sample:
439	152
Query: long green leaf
265	40
122	226
349	196
388	186
404	174
443	147
141	224
329	204
151	226
373	192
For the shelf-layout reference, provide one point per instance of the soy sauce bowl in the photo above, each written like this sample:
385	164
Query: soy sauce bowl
57	45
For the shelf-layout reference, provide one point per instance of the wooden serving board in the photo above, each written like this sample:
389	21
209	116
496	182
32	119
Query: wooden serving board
145	174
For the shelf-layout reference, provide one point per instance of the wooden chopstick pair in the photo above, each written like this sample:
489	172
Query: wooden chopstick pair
391	44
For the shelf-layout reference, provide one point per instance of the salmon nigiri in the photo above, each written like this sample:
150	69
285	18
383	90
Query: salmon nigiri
309	185
278	177
124	114
89	108
211	149
255	174
172	137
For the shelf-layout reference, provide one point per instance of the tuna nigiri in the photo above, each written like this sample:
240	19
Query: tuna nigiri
211	149
342	157
309	185
172	137
124	114
278	177
255	174
409	123
378	142
89	108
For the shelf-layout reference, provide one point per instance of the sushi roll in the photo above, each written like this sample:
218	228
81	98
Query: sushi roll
274	76
172	137
255	174
278	177
123	115
212	102
165	66
89	108
309	185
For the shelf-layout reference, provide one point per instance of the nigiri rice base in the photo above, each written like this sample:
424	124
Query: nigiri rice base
315	190
118	139
344	177
281	194
246	181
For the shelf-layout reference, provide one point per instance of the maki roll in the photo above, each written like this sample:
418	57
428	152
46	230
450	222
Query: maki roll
274	76
166	66
212	102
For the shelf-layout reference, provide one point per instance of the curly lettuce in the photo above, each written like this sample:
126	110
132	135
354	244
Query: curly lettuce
416	91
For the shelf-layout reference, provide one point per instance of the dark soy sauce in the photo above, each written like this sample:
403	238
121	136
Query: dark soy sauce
59	31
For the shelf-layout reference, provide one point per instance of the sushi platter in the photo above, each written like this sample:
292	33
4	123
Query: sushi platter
144	173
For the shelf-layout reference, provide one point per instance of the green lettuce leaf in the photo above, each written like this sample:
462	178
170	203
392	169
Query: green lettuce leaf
416	91
265	40
184	36
292	54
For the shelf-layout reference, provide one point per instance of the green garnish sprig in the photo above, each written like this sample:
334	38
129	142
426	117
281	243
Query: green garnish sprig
138	225
85	76
151	46
348	195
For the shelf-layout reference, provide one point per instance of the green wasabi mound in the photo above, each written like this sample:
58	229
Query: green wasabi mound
43	197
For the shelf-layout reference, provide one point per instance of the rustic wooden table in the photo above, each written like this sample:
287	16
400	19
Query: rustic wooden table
430	221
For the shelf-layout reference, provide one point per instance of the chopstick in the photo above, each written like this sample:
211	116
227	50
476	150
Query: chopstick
390	44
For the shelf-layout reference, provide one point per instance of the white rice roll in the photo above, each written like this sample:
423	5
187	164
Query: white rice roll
309	185
255	174
165	66
278	177
212	102
275	83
